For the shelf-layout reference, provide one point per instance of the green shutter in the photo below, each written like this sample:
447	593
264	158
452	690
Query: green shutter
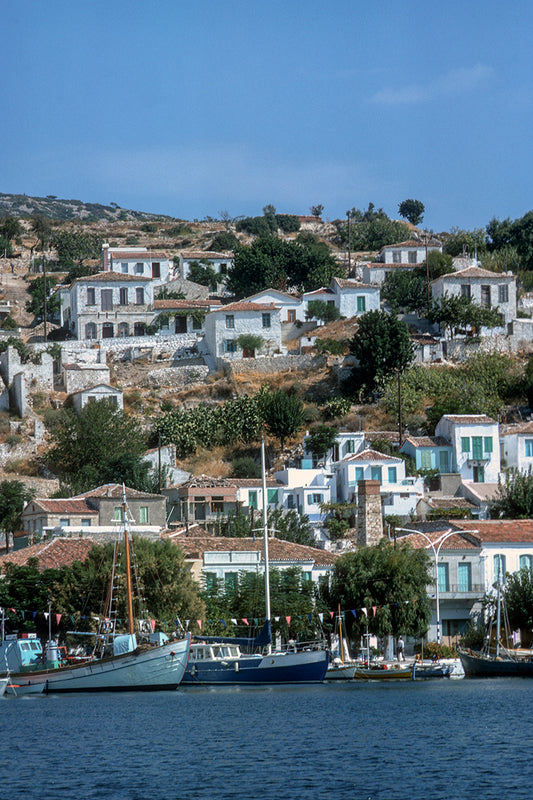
465	444
488	444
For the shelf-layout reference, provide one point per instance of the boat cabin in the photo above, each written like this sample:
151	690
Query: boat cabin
213	652
21	654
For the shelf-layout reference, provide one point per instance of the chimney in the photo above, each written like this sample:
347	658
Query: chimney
369	518
105	257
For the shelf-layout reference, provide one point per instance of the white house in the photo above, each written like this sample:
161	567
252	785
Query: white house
375	272
399	493
219	262
409	252
348	443
353	298
102	391
223	558
306	490
483	287
182	316
137	261
225	326
516	447
110	304
475	445
290	305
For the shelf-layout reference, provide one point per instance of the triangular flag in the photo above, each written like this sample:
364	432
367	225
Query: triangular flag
354	613
310	617
199	621
374	609
233	620
288	620
245	621
364	612
58	618
223	621
321	617
276	619
332	614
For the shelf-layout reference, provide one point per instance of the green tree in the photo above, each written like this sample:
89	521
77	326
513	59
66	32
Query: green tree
412	210
405	289
322	311
455	312
317	210
75	247
518	598
382	347
10	228
84	446
6	248
372	229
392	579
42	228
321	439
13	497
283	414
438	264
515	496
225	240
203	273
36	290
461	241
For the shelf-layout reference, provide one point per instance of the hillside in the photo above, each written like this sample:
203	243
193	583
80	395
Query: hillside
51	207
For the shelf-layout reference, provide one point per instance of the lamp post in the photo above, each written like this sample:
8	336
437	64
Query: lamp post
436	551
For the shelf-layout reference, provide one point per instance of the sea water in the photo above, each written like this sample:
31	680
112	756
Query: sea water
431	740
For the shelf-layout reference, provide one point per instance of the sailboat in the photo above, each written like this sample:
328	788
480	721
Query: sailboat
503	662
141	660
218	660
342	667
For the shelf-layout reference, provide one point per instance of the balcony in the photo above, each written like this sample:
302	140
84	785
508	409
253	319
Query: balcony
454	592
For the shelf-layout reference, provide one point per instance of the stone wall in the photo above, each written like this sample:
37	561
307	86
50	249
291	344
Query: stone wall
269	365
176	377
39	376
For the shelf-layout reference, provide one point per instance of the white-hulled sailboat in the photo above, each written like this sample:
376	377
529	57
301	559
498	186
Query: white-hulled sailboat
130	661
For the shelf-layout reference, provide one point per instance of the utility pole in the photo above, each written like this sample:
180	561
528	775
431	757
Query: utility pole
44	285
349	245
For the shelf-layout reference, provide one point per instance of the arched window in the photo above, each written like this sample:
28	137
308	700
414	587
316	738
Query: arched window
139	329
526	562
90	330
107	330
499	568
123	329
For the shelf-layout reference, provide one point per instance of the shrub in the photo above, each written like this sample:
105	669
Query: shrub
245	467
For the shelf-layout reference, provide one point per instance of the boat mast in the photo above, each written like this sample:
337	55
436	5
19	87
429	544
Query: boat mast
128	561
340	636
498	613
265	533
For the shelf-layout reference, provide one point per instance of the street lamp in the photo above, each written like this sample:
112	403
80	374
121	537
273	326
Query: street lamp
436	551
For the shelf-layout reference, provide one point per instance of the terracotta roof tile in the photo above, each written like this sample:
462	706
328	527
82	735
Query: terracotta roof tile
170	304
470	419
197	254
370	455
526	427
52	554
344	283
195	546
427	441
244	306
111	277
114	490
139	255
64	506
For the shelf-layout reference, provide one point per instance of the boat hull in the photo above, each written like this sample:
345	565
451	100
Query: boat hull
492	667
365	674
149	669
276	668
340	673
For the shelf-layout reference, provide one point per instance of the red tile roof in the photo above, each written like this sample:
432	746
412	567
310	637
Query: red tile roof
526	427
198	254
470	419
427	441
194	546
170	304
111	277
52	554
139	255
63	506
473	272
344	283
244	306
114	490
504	531
371	455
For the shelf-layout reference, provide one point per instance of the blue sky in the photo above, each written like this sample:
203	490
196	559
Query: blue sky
193	108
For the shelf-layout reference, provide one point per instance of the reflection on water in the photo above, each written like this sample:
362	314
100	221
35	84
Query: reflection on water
430	740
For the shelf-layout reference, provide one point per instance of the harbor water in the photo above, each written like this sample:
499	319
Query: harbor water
428	740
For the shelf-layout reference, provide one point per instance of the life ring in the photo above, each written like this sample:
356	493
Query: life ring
107	626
